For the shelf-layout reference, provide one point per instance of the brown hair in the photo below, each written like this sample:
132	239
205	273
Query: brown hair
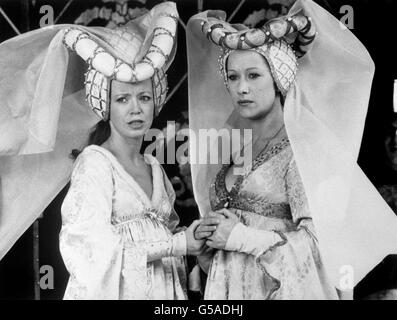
98	135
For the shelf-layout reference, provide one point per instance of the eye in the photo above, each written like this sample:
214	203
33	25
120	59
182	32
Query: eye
145	98
232	77
253	75
122	100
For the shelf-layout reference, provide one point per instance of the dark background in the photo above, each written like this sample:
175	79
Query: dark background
373	25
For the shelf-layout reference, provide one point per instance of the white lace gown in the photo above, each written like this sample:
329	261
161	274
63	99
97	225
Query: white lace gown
117	243
273	253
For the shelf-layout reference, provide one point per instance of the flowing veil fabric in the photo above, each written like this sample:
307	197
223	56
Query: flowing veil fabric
324	114
41	121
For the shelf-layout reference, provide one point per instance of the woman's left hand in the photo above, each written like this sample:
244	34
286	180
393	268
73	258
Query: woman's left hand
225	226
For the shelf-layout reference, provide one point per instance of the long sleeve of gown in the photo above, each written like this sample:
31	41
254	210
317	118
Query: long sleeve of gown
91	247
175	246
291	259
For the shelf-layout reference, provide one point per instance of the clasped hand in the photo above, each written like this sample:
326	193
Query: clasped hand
194	246
216	227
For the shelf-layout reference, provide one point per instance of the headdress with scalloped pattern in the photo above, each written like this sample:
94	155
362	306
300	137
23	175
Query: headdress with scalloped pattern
140	50
281	41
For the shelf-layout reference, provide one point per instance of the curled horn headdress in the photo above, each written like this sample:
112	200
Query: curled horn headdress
297	25
281	41
140	50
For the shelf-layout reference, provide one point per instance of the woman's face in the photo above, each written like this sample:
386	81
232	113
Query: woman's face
131	108
251	84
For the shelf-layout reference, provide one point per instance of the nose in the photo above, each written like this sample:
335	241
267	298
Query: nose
135	107
243	87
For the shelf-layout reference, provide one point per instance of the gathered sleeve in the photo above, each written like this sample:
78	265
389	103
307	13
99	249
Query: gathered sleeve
290	259
90	246
175	246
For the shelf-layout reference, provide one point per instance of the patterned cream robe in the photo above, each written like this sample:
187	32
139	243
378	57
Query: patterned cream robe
116	242
273	252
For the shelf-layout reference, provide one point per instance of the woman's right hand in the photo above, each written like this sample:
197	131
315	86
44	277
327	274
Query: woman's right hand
195	247
208	225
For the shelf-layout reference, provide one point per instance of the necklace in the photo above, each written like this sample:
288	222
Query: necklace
268	140
267	143
239	180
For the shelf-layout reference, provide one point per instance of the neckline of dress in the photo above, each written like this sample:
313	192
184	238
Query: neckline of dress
260	159
128	177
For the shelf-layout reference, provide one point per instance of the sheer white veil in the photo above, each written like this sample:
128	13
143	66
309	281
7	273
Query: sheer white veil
43	116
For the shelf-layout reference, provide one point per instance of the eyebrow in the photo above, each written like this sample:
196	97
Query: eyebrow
122	94
129	93
250	68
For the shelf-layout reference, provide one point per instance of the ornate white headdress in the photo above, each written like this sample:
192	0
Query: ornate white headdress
130	60
281	41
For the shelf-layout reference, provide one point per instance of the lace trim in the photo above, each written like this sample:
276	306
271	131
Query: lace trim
277	282
267	155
